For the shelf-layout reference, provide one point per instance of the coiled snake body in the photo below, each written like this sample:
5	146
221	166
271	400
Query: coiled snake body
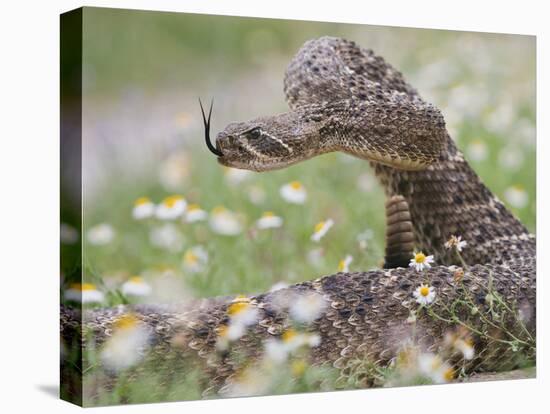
345	98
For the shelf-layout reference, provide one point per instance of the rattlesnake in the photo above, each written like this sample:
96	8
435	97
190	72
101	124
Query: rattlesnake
346	98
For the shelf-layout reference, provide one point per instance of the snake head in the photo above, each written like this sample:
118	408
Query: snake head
268	143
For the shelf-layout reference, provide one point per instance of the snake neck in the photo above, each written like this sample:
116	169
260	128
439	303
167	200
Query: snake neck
448	198
400	132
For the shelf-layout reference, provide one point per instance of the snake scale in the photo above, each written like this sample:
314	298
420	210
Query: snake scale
345	98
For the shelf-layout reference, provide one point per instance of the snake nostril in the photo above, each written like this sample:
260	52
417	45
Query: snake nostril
226	143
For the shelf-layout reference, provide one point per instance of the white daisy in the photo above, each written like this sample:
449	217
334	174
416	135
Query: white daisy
127	344
420	261
316	257
195	213
461	342
364	237
321	229
171	208
526	132
477	150
269	221
366	182
256	194
143	208
275	350
183	119
278	350
174	171
428	363
68	234
229	333
424	294
101	234
516	196
241	311
466	347
225	222
456	243
500	118
241	314
195	259
249	382
222	340
463	99
434	368
136	286
307	307
443	375
511	158
294	192
235	176
294	339
167	237
168	285
84	293
406	360
343	265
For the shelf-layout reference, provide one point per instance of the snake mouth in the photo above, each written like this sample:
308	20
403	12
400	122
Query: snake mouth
213	149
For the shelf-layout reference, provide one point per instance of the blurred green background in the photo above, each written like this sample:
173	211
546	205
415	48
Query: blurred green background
143	73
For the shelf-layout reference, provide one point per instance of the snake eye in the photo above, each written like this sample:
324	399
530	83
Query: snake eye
254	133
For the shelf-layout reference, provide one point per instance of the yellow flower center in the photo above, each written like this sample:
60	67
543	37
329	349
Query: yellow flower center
171	201
449	374
127	321
420	257
142	200
136	279
190	257
424	291
268	214
458	274
436	363
218	210
236	308
406	357
298	367
222	330
182	119
341	265
84	286
296	185
319	226
193	207
288	335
